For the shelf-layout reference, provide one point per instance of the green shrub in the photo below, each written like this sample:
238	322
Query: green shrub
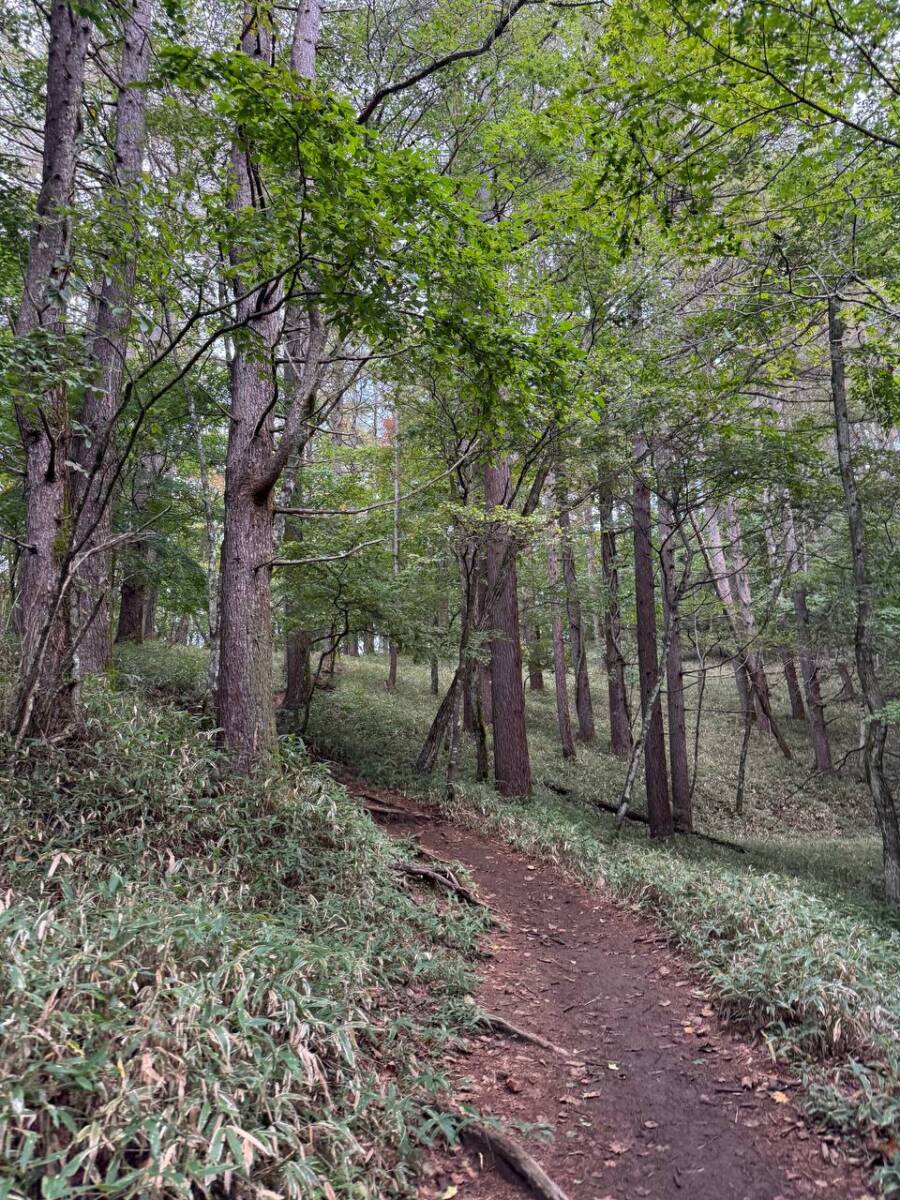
156	668
201	986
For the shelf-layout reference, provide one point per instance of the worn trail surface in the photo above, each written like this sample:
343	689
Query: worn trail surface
657	1099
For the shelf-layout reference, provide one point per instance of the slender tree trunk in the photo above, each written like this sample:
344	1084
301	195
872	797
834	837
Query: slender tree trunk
590	559
808	666
533	642
46	700
659	811
369	642
678	757
92	452
559	658
795	696
870	685
583	703
395	551
741	592
721	580
512	767
619	719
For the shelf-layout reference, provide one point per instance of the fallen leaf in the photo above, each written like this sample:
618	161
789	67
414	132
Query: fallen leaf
612	1066
780	1097
651	1124
449	1193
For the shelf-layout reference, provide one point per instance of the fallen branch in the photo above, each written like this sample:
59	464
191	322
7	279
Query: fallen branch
497	1024
528	1170
643	820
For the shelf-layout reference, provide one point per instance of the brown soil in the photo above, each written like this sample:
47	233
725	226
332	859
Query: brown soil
658	1099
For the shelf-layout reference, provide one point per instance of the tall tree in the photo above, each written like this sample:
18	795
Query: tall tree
45	701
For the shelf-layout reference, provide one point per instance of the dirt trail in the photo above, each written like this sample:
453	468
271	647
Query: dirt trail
658	1099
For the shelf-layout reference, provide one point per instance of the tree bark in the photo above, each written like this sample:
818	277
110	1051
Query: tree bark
798	712
559	658
741	591
393	649
659	811
298	670
45	703
721	580
619	719
590	559
512	766
253	465
808	666
870	685
678	758
93	452
583	704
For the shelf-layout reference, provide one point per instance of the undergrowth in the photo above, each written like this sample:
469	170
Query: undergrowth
210	988
788	934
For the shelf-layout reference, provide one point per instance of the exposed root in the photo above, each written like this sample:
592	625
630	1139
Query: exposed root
447	881
527	1170
497	1024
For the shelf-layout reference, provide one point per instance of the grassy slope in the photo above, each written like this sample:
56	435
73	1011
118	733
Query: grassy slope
210	987
791	934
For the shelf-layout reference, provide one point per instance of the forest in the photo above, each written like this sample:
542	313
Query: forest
449	599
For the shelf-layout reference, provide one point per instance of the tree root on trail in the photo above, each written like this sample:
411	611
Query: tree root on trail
497	1024
628	815
527	1170
447	881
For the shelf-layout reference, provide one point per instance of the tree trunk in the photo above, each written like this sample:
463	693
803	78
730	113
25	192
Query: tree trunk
298	670
393	650
583	704
559	658
721	580
808	667
46	699
870	685
848	691
245	711
798	712
92	483
740	582
512	767
619	719
132	606
659	812
678	758
590	559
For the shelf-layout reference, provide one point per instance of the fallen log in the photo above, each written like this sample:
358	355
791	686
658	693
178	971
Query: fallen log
641	819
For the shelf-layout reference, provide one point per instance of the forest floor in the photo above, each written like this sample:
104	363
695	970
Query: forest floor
650	1095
